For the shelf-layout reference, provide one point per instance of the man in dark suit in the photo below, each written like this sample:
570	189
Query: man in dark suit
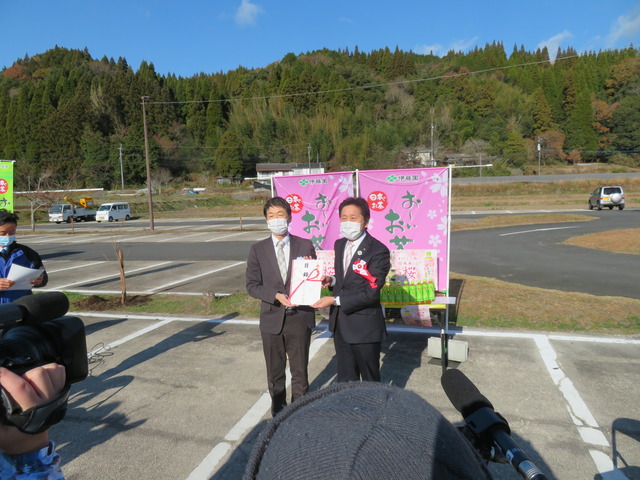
285	328
357	319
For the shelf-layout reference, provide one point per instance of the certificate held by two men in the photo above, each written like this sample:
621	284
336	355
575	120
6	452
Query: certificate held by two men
306	281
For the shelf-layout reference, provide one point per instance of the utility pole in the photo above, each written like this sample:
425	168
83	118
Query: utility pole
538	155
309	157
121	170
146	154
432	159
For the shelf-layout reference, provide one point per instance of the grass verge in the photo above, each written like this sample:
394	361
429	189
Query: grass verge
482	303
619	241
489	303
238	305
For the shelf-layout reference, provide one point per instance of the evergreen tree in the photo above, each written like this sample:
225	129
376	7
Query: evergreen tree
542	115
580	132
62	109
229	155
625	121
514	150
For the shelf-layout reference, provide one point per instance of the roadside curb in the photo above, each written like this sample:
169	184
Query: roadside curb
394	328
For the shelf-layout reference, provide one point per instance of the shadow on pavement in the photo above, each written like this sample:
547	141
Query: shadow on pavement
87	424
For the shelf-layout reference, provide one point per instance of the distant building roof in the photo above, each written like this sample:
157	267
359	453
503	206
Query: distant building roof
282	167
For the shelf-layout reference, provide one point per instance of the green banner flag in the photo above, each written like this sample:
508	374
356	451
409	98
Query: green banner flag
6	185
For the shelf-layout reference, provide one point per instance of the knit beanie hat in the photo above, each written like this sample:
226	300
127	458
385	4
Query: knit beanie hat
363	430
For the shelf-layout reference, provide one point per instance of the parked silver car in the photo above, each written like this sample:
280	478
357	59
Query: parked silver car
606	197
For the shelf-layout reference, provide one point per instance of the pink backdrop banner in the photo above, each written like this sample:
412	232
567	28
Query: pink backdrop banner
314	201
410	210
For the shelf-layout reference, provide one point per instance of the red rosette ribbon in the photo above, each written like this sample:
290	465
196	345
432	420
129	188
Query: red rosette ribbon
360	267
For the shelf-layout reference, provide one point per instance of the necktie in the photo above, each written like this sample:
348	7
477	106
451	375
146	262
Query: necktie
347	257
282	264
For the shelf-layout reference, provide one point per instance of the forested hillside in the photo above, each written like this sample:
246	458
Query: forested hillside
71	118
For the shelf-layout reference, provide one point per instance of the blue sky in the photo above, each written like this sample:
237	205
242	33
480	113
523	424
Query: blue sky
193	36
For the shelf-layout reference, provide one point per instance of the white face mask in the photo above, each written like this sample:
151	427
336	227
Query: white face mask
350	230
278	226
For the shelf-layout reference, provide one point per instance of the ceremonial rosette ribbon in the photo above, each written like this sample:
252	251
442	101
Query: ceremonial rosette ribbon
360	267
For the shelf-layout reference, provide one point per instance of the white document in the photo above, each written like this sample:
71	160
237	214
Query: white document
306	282
23	276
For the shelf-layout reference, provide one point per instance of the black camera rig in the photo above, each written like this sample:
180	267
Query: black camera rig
35	332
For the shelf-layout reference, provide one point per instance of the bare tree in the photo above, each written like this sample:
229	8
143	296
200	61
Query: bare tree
38	196
160	178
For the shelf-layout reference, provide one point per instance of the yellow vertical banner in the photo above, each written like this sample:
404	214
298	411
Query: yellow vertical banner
6	185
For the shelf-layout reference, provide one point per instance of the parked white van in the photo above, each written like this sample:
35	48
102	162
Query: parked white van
113	211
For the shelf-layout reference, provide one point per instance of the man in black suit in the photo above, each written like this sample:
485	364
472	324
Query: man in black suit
285	328
357	319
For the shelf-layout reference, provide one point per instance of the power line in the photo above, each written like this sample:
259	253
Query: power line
599	152
367	87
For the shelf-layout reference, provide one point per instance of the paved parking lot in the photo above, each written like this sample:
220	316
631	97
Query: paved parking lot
185	398
173	398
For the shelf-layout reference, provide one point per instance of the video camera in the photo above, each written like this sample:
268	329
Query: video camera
486	429
35	332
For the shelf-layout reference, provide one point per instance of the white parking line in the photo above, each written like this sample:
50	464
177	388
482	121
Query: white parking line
181	237
532	336
255	414
130	292
31	239
582	417
75	266
86	238
90	280
225	236
185	280
118	239
202	227
137	334
536	230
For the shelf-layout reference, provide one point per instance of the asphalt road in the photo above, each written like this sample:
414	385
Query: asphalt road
534	255
528	255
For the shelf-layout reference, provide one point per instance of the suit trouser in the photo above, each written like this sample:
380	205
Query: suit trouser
292	342
356	361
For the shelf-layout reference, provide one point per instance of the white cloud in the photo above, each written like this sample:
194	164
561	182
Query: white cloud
247	13
554	43
626	26
440	50
463	45
345	20
435	49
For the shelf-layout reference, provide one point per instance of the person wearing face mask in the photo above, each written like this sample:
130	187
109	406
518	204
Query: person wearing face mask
13	253
285	328
356	317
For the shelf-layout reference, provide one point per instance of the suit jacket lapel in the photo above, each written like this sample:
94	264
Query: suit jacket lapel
360	252
270	255
294	248
339	253
364	246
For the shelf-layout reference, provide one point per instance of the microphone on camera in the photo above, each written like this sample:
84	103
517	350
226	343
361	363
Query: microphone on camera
485	424
462	393
34	309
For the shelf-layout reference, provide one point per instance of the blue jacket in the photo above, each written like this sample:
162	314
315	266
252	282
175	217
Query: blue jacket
23	256
43	464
